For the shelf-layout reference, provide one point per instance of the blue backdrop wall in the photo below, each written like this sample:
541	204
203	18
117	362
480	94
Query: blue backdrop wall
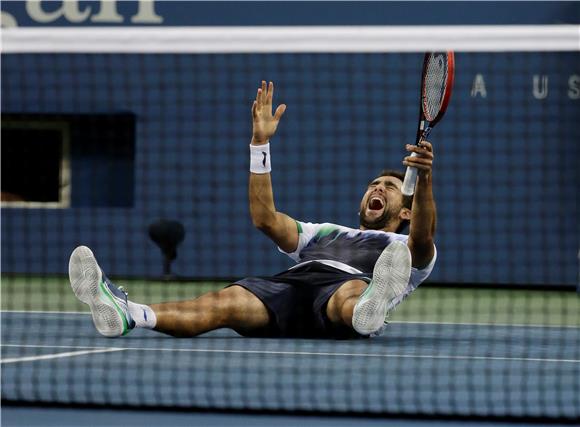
505	177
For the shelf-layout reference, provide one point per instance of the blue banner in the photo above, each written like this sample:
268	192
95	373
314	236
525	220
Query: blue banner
204	13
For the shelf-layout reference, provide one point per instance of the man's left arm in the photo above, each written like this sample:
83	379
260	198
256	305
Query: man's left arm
423	212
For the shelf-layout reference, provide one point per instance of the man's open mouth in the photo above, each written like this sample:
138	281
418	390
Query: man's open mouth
376	204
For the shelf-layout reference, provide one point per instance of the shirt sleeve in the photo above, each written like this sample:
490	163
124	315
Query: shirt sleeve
419	275
306	231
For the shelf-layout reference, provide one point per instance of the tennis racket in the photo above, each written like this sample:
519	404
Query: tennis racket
436	87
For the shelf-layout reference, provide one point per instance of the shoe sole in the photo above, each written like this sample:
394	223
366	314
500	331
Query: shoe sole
86	279
390	279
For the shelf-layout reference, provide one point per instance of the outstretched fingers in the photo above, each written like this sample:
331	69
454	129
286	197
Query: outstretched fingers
279	111
254	109
258	100
264	97
263	103
270	93
264	93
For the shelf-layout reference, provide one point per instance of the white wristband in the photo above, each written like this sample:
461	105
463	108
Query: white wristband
260	158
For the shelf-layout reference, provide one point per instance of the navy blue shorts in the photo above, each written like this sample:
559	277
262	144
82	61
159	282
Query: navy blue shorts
296	300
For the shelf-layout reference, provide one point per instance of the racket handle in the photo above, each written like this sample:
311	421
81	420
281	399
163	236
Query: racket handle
408	188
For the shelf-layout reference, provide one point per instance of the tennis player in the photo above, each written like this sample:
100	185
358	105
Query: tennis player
344	285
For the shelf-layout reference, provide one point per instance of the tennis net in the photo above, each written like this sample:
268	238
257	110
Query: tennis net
114	139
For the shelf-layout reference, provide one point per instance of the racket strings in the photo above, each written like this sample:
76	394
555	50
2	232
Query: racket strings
434	84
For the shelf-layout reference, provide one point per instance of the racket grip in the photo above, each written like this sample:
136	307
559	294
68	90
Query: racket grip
408	188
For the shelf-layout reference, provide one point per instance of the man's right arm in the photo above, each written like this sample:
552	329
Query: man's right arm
423	213
276	225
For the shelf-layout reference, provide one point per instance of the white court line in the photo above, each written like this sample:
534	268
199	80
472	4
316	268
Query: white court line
308	353
45	312
503	325
56	355
411	322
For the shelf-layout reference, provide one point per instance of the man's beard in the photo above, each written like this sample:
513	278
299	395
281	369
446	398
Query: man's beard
377	224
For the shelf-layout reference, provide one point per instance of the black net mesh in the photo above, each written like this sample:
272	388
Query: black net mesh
151	142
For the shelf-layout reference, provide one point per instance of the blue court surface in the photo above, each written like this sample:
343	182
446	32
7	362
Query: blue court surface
37	417
414	368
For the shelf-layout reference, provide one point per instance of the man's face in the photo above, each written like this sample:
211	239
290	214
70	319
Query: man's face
381	203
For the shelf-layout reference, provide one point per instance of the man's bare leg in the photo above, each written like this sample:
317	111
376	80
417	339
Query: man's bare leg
114	315
233	307
341	304
364	308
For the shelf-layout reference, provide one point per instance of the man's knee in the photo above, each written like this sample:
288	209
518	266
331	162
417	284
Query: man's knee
237	295
241	307
340	305
350	289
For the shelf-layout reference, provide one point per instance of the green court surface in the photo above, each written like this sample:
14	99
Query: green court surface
427	304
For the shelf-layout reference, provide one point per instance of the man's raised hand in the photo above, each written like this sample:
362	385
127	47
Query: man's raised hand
423	159
264	123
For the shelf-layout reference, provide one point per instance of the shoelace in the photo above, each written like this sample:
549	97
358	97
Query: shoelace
122	289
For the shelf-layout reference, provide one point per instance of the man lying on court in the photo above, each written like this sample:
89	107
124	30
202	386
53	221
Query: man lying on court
345	283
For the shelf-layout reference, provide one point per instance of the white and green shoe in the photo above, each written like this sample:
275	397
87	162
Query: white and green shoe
108	303
390	279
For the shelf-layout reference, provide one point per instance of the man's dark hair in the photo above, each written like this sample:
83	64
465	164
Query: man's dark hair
407	200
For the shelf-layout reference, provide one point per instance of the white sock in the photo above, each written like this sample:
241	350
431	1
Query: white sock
143	315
